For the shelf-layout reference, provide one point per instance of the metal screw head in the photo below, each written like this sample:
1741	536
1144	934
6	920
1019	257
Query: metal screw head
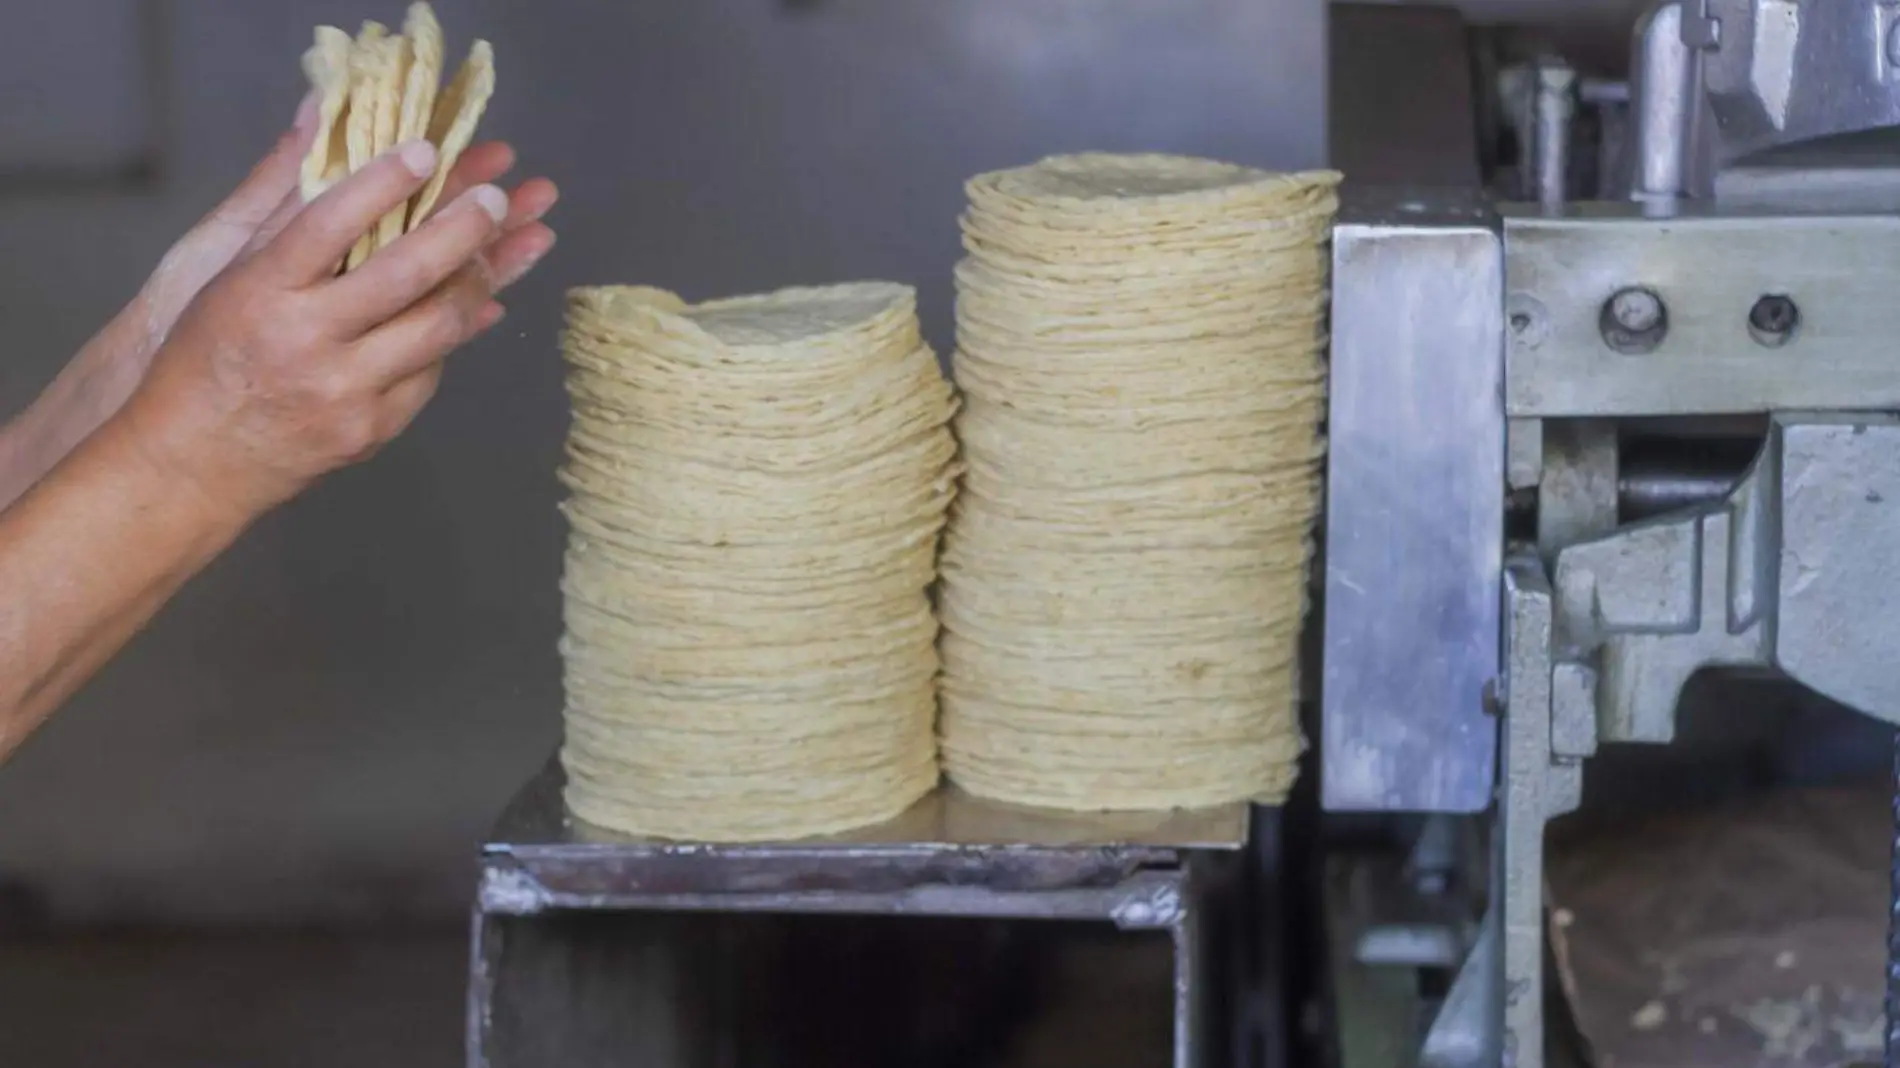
1636	310
1526	319
1773	320
1634	320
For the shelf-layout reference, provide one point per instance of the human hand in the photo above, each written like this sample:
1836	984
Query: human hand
110	366
96	383
259	209
280	371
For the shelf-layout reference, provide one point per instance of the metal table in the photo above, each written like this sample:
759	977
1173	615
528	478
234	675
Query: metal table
549	992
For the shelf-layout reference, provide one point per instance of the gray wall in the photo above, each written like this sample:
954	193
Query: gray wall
324	723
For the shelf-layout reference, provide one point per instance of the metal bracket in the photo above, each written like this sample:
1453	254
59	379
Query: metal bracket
1538	785
1710	271
1790	572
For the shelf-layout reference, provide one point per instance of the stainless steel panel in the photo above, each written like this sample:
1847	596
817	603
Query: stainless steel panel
1709	270
1414	527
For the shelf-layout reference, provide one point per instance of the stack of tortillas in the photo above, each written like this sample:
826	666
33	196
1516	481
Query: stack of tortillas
380	90
1139	349
757	486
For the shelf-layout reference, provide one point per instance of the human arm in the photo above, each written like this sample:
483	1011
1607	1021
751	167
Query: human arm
276	373
87	391
87	556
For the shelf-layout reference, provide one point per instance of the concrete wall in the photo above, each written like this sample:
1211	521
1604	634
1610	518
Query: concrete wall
325	722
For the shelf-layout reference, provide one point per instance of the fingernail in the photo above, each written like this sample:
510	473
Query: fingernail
306	113
419	156
490	314
492	200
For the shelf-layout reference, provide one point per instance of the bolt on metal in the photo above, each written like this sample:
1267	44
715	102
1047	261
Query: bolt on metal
1636	310
1634	320
1773	320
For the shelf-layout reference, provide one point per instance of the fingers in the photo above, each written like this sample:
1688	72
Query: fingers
485	164
405	272
269	182
478	165
404	399
527	204
517	253
524	239
534	199
320	235
218	239
274	224
429	330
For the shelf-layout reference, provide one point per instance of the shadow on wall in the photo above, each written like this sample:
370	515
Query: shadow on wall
326	721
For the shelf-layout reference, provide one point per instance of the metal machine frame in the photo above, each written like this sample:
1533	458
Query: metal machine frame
1481	355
